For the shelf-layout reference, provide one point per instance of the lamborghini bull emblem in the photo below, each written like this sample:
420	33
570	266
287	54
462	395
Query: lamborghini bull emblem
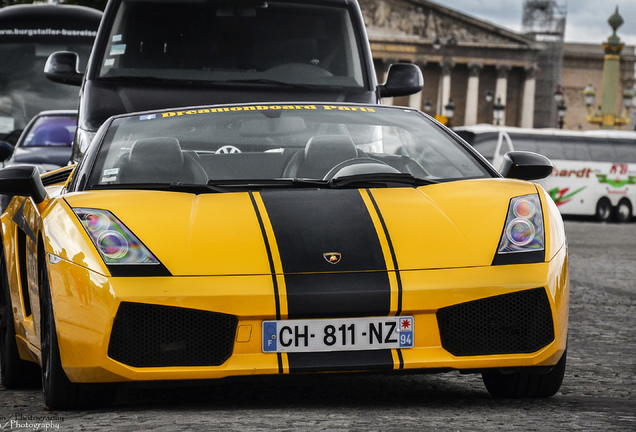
332	257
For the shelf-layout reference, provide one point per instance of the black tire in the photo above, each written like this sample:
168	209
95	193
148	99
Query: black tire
531	383
604	210
623	211
14	372
59	392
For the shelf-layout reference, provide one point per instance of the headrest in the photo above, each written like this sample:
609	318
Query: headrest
157	152
330	147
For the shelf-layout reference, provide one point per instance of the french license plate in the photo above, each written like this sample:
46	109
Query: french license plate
339	334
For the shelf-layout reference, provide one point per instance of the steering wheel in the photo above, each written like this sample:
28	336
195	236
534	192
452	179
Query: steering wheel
226	149
347	168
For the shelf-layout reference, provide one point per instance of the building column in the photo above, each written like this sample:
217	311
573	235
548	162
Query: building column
472	95
444	87
529	90
501	88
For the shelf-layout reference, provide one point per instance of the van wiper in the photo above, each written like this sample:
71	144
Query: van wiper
138	78
378	179
267	81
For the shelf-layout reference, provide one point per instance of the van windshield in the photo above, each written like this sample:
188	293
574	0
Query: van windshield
233	42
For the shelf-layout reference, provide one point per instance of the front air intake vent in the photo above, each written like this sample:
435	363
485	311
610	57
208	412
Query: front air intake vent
146	335
519	322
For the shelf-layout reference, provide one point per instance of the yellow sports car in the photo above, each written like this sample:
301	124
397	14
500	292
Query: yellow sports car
236	240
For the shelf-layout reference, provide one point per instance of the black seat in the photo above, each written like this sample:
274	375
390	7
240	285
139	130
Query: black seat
320	155
160	160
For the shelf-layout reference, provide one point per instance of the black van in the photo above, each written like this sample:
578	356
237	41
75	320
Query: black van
166	53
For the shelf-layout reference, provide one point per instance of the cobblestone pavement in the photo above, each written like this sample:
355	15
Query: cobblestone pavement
598	394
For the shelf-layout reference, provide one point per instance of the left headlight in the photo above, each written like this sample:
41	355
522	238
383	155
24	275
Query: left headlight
523	237
120	249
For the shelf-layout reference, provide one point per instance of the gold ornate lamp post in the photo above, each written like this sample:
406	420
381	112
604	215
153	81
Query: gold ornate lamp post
607	117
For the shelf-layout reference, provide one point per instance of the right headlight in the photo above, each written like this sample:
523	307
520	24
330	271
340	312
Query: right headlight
523	237
121	250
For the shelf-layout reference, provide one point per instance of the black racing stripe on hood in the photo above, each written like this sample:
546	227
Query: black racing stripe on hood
309	223
373	360
270	259
392	249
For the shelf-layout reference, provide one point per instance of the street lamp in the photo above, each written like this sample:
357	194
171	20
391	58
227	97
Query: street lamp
449	111
428	105
589	95
628	98
498	111
558	94
561	109
489	96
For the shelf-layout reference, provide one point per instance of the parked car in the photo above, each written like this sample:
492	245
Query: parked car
271	239
45	142
155	54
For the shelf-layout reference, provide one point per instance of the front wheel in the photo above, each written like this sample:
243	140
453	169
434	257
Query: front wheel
603	210
526	383
59	392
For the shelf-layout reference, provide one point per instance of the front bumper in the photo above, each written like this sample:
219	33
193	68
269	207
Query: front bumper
86	304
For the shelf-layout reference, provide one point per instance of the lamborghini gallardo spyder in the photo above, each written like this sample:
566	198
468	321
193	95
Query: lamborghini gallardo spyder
235	240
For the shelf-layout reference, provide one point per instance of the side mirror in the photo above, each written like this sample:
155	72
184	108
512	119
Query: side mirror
6	150
525	165
62	67
22	180
403	79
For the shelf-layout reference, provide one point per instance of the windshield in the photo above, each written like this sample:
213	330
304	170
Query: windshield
233	42
57	131
256	144
24	90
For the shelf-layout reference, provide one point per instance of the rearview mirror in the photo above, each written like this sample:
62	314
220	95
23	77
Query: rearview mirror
62	67
22	180
525	165
403	79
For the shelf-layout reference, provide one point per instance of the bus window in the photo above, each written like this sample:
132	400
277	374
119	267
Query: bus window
551	149
28	35
601	150
574	149
625	152
524	143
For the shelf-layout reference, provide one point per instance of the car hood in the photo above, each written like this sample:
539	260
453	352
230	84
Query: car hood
448	225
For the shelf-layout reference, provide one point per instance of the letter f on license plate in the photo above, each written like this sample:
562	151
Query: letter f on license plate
340	334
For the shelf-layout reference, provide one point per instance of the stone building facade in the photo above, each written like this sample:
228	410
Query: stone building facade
463	58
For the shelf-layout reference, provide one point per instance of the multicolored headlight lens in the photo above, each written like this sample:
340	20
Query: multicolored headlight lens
116	243
523	231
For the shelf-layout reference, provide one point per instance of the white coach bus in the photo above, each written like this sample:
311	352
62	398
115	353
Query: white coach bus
594	171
